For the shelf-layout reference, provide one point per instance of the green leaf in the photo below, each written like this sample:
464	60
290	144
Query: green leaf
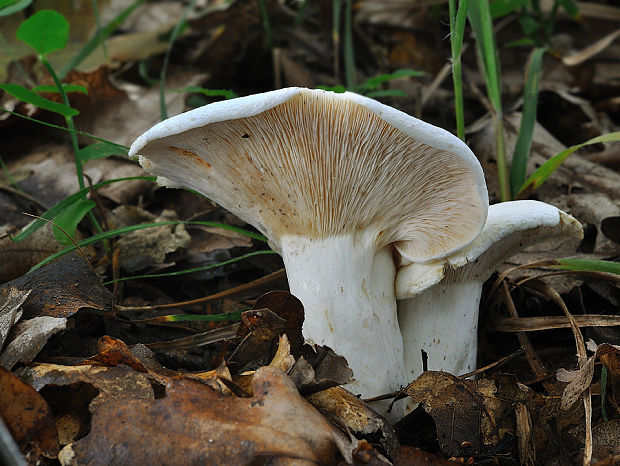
66	88
500	8
337	89
546	169
45	31
8	7
209	92
525	41
588	265
69	218
528	25
65	203
99	150
571	7
528	120
97	39
35	99
387	93
371	83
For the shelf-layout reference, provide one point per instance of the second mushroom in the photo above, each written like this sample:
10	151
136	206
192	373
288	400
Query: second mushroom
340	184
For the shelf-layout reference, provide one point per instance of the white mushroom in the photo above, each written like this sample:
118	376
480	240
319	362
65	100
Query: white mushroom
438	301
333	180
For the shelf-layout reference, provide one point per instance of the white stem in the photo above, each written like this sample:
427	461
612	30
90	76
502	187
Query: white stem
347	289
442	321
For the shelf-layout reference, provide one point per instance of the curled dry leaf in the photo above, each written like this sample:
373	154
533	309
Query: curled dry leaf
112	352
62	288
28	337
194	424
579	380
27	416
349	412
11	300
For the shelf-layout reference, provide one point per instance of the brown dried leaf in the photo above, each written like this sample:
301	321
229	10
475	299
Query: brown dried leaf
466	412
108	383
610	356
113	352
346	410
62	288
17	258
199	425
27	416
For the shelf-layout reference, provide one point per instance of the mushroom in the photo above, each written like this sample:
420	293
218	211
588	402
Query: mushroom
338	183
439	301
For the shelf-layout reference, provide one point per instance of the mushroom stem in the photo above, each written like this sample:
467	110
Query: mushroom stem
454	324
348	294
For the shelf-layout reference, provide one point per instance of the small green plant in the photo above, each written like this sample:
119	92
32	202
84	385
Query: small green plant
512	178
536	24
372	86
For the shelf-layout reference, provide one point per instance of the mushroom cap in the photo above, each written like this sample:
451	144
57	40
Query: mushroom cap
317	164
510	228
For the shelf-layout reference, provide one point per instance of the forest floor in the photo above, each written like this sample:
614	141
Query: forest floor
154	327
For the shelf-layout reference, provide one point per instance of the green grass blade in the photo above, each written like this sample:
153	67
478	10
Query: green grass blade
228	317
33	98
227	93
546	170
121	231
98	39
62	128
457	30
9	7
266	25
65	203
528	120
349	54
481	22
66	87
588	265
194	269
336	8
164	69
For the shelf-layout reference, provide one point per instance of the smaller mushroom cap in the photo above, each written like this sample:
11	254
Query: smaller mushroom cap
510	227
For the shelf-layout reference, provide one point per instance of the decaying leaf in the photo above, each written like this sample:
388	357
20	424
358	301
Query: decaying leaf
27	416
465	412
17	258
105	383
193	423
349	412
62	288
28	337
11	300
143	248
579	380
